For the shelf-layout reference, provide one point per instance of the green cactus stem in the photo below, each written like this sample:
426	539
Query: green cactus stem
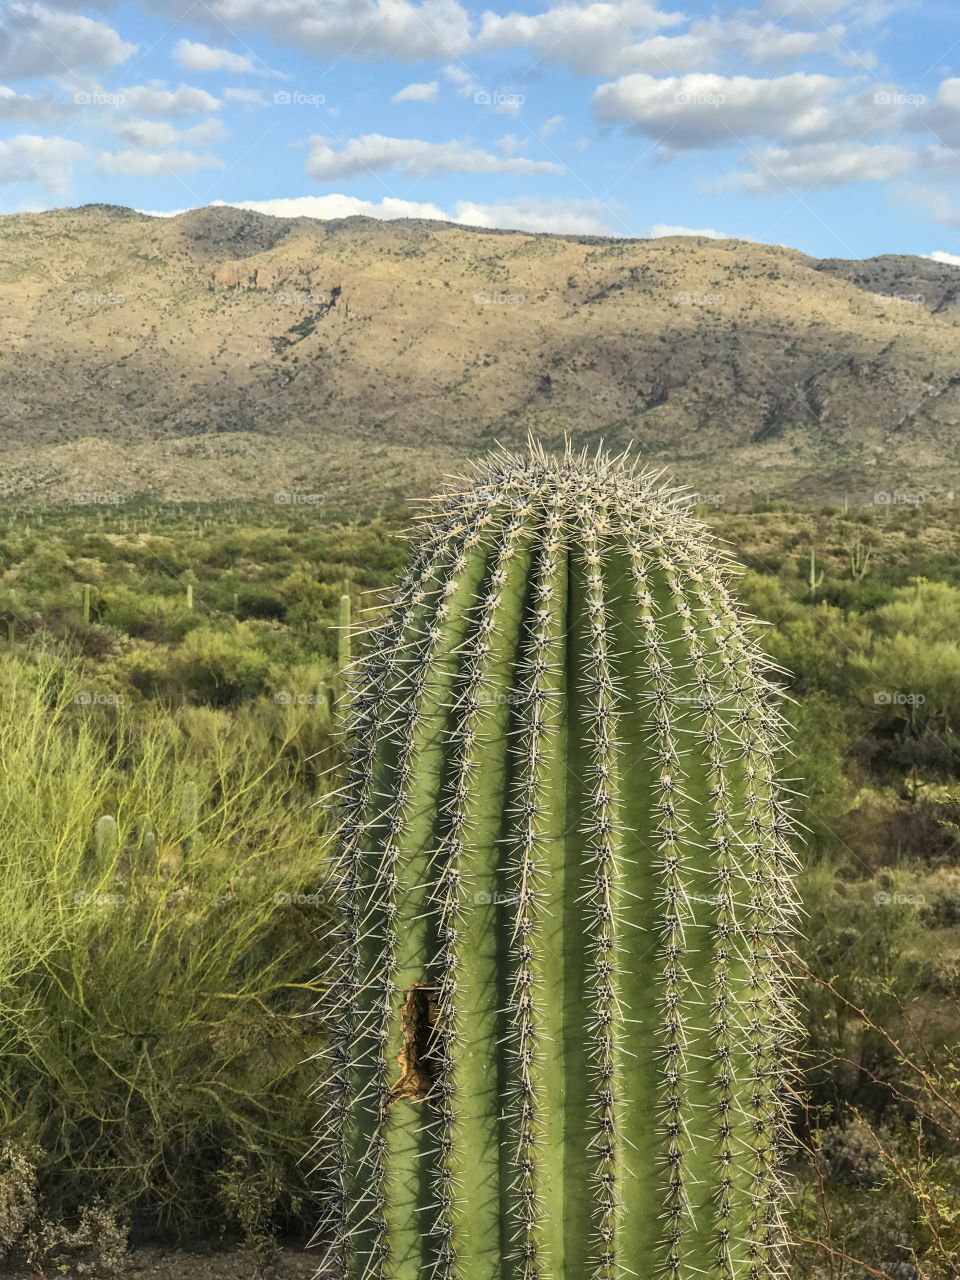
106	840
325	700
146	839
344	645
189	815
561	1023
814	579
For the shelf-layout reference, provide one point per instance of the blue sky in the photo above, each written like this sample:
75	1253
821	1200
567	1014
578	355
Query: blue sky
829	125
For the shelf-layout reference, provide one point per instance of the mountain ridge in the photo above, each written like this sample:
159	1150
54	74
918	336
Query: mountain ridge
748	367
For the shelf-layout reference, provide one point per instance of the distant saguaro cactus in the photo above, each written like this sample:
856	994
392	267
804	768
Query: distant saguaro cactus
344	645
561	1023
106	838
189	815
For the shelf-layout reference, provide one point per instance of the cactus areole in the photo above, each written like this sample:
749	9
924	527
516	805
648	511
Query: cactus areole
561	1015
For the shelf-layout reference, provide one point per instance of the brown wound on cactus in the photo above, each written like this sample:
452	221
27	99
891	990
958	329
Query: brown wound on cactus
418	1066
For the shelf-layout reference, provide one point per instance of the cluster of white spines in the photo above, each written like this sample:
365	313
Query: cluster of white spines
600	892
362	1004
527	880
450	887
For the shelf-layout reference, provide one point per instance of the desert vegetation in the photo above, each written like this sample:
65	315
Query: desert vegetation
169	750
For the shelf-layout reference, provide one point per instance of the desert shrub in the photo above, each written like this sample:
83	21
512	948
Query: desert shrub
222	667
153	991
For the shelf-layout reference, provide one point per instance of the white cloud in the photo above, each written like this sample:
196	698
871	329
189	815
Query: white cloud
202	57
590	38
709	110
820	165
510	144
37	41
396	29
662	229
717	40
248	97
156	99
150	164
464	81
373	153
881	109
601	38
936	204
949	259
550	126
41	109
333	206
942	120
155	135
863	12
570	217
567	217
417	92
47	161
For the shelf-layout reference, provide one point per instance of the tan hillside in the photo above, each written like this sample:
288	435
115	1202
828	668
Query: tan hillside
225	353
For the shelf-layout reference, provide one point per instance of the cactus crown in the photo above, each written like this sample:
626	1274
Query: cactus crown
560	1019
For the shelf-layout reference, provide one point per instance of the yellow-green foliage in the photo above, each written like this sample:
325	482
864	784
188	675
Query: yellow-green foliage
149	1004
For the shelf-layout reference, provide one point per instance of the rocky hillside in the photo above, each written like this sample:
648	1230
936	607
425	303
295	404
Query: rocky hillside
225	353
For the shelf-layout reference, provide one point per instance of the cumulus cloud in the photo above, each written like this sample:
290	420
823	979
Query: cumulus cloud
400	30
247	97
155	135
942	119
374	153
568	217
154	98
709	110
662	229
334	205
822	164
601	38
716	40
417	92
950	259
590	38
38	41
202	57
47	161
151	164
38	109
936	204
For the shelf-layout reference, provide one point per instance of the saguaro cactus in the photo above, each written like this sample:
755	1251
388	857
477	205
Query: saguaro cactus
560	1016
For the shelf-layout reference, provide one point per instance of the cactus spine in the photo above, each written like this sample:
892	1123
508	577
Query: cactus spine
565	883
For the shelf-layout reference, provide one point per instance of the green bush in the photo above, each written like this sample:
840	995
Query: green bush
152	1004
